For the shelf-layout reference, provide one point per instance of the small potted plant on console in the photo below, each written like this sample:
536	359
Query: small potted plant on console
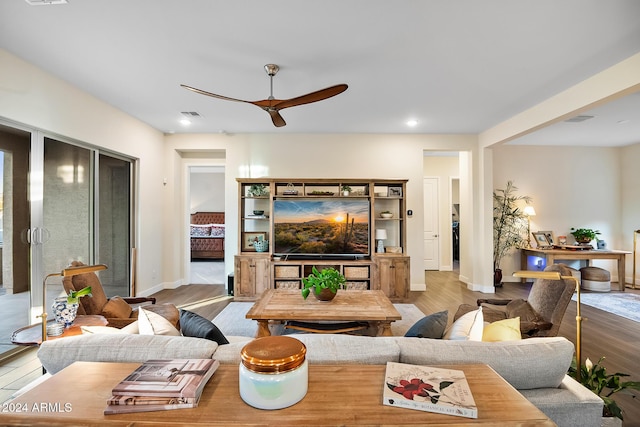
324	283
584	236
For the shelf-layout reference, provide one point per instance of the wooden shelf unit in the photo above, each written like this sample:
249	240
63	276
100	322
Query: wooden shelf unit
258	271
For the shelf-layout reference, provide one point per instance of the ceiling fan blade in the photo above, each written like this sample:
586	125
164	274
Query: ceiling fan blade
204	92
316	96
276	118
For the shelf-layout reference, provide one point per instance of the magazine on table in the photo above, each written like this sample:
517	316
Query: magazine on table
426	388
168	378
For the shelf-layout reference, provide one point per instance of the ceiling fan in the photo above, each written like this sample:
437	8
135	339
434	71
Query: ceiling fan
272	105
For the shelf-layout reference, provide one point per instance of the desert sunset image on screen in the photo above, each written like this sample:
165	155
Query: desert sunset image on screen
324	226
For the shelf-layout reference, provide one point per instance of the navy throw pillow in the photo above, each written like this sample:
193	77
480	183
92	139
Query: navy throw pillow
194	325
431	326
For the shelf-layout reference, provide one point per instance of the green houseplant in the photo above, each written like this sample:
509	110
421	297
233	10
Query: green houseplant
345	189
584	235
509	225
74	296
326	281
596	379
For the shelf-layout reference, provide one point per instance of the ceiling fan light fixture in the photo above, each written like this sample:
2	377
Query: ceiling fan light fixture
271	69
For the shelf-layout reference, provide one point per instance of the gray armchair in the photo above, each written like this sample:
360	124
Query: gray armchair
540	314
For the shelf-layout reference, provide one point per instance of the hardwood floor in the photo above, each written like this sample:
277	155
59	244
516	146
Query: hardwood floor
602	334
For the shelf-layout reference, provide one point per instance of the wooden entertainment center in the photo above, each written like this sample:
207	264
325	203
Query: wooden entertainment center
259	267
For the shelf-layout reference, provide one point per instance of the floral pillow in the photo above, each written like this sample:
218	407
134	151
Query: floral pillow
217	231
200	230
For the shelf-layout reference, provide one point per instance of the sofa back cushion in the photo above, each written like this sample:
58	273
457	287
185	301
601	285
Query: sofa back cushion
525	364
56	355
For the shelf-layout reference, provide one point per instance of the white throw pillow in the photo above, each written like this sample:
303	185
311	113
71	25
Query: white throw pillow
102	330
151	323
132	328
468	327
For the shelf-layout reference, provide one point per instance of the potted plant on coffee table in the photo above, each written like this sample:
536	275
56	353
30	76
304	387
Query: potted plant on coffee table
596	379
324	283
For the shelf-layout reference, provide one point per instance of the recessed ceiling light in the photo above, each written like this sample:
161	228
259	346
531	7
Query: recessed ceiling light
412	123
185	122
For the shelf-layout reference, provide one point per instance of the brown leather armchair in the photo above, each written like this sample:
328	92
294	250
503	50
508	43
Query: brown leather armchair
117	310
540	314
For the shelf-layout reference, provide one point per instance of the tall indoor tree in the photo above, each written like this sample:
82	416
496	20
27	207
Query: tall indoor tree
509	225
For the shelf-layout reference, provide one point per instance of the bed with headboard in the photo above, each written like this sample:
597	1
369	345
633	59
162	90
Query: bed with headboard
207	235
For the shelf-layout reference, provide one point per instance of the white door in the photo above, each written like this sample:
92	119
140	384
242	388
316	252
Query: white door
431	242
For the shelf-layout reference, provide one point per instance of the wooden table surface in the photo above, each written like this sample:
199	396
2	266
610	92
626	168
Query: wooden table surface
342	395
32	335
352	305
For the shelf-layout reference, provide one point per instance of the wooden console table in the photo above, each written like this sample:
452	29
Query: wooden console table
345	395
551	255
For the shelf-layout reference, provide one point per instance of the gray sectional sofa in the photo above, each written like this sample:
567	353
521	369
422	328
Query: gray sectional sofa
536	367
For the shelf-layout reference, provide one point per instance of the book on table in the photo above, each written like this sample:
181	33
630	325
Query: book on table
162	384
431	389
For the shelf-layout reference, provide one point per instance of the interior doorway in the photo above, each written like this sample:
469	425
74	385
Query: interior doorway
441	169
207	203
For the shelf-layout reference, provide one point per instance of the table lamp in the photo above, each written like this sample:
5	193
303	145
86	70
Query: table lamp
67	272
555	275
381	235
529	211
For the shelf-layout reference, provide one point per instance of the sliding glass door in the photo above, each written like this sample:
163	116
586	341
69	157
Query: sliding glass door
15	289
61	201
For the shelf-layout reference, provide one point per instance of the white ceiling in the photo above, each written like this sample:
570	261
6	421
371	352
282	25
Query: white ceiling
458	66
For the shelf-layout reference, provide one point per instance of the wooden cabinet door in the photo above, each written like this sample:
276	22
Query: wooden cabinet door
251	276
393	274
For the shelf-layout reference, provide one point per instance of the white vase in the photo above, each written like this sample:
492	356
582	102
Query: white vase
64	311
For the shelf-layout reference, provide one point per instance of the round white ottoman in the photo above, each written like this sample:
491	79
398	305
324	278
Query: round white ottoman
595	279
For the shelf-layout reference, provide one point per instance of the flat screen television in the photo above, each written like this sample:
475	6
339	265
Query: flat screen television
321	227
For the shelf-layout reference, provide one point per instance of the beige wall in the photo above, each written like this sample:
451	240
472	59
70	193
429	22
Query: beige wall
34	98
304	156
571	187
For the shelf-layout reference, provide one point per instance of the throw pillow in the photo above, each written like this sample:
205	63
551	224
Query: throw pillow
194	325
117	308
502	330
217	231
101	330
200	230
431	326
151	323
467	327
132	328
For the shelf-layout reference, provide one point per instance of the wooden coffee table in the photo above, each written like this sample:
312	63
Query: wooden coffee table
346	395
284	305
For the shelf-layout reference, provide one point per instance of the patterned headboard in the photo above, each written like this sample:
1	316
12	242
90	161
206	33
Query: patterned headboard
207	218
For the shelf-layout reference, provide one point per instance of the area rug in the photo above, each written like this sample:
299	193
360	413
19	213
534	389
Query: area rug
622	304
232	320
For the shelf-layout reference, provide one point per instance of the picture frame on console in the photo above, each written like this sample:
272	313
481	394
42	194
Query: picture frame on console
551	239
249	237
542	238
